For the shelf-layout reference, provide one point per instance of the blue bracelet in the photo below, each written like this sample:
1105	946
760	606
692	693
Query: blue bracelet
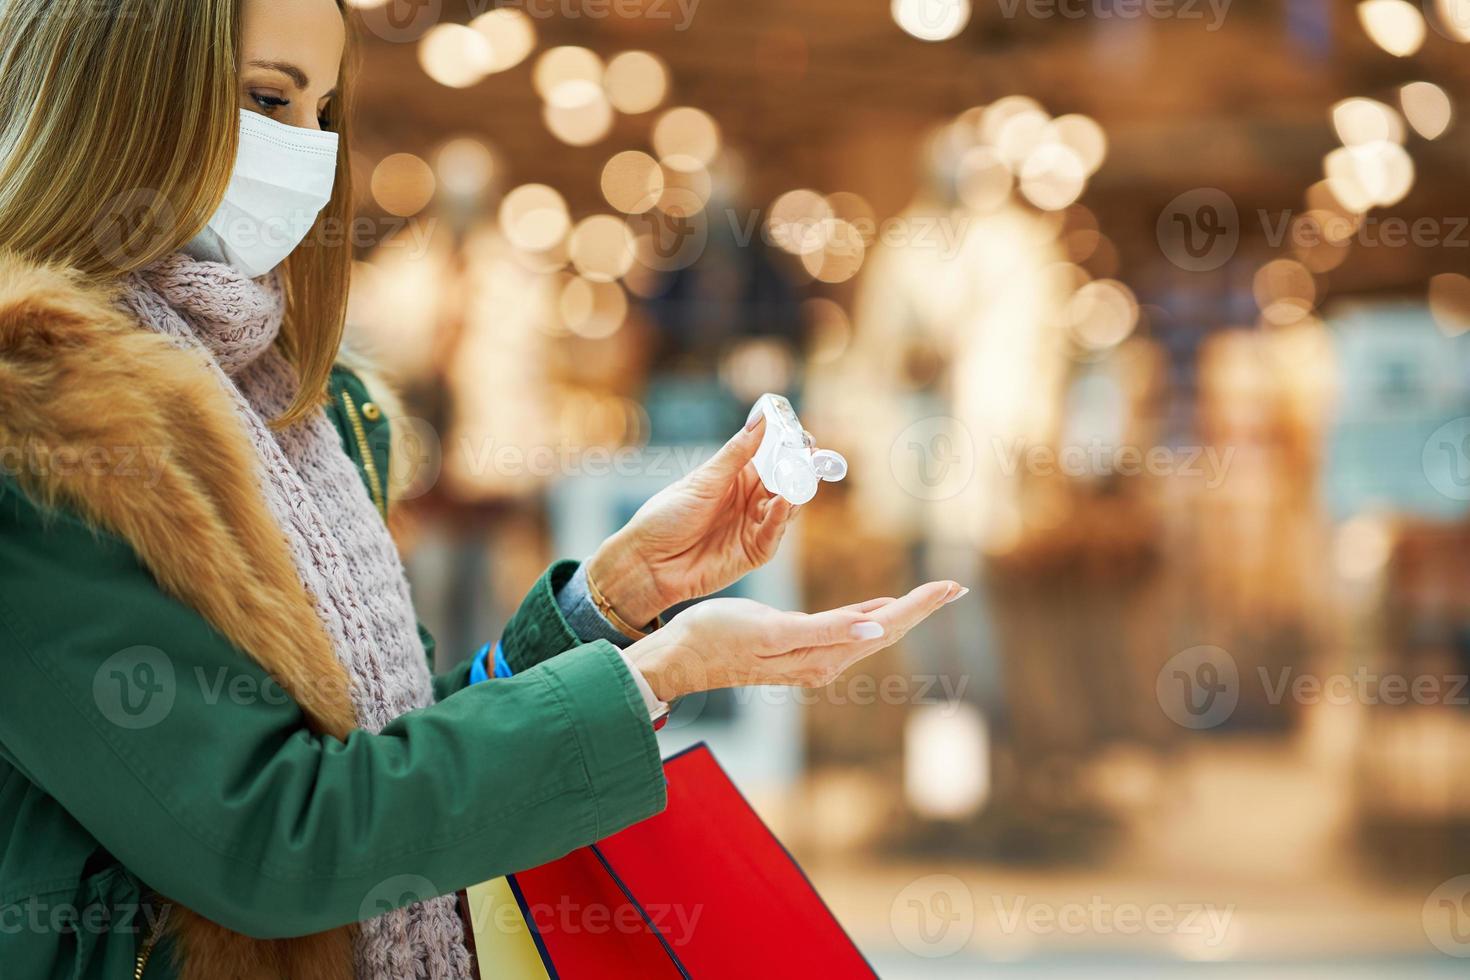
479	671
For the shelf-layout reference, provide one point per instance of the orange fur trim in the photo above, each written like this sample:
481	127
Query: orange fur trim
76	374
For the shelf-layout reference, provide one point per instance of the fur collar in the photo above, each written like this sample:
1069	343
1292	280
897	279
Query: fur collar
76	373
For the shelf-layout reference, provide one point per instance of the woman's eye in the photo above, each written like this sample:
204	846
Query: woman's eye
269	102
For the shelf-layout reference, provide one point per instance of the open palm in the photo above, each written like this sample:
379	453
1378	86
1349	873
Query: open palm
739	643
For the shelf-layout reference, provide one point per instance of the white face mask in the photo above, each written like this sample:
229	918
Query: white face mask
283	178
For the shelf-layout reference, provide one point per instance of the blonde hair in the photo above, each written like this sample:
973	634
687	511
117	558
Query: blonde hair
119	126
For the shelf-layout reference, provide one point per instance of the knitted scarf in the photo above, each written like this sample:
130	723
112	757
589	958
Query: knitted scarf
338	542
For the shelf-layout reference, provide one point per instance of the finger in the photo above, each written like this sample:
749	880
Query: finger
840	626
895	617
774	508
735	454
765	509
780	510
902	615
870	604
803	631
771	526
768	540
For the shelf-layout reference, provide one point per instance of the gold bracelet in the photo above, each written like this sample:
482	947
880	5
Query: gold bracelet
610	614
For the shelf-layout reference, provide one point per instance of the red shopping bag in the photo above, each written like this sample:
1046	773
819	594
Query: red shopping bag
702	891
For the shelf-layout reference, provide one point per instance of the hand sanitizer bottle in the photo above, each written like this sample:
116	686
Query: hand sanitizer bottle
787	461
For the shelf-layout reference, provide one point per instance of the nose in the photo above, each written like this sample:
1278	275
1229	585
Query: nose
308	119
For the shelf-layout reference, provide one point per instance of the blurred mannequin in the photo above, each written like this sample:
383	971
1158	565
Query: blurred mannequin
953	369
958	323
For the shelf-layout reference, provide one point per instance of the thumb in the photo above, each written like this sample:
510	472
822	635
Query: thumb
735	454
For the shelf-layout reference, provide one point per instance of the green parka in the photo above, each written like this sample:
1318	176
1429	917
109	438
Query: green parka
143	754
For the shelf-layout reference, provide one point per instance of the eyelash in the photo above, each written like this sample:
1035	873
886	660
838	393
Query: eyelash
271	103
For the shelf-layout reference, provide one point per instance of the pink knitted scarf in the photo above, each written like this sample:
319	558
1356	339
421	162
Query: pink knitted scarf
338	541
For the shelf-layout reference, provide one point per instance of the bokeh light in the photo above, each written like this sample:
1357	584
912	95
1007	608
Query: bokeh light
1449	302
593	310
1321	239
800	221
983	180
1428	108
465	167
1360	121
687	187
578	113
636	82
511	35
1286	292
995	116
403	184
1396	26
455	55
1102	313
632	181
1053	177
757	365
601	248
932	20
563	65
1284	281
576	109
1084	137
534	217
841	254
1453	18
1380	173
1022	134
687	134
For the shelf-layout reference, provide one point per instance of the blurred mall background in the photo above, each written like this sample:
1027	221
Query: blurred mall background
1146	318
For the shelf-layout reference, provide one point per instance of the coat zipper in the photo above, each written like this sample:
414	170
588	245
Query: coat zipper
151	943
355	418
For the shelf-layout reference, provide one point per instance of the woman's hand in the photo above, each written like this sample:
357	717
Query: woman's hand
695	537
738	643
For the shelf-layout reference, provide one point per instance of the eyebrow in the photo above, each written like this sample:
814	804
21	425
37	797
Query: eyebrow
290	71
285	68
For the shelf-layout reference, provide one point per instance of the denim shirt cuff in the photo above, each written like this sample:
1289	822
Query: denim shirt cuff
574	599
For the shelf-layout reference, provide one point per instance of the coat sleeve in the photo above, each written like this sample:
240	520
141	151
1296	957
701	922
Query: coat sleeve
182	758
537	632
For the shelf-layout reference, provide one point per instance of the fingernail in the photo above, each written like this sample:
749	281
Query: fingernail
868	631
957	596
752	422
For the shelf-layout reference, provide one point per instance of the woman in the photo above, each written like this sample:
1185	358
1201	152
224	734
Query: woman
220	742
